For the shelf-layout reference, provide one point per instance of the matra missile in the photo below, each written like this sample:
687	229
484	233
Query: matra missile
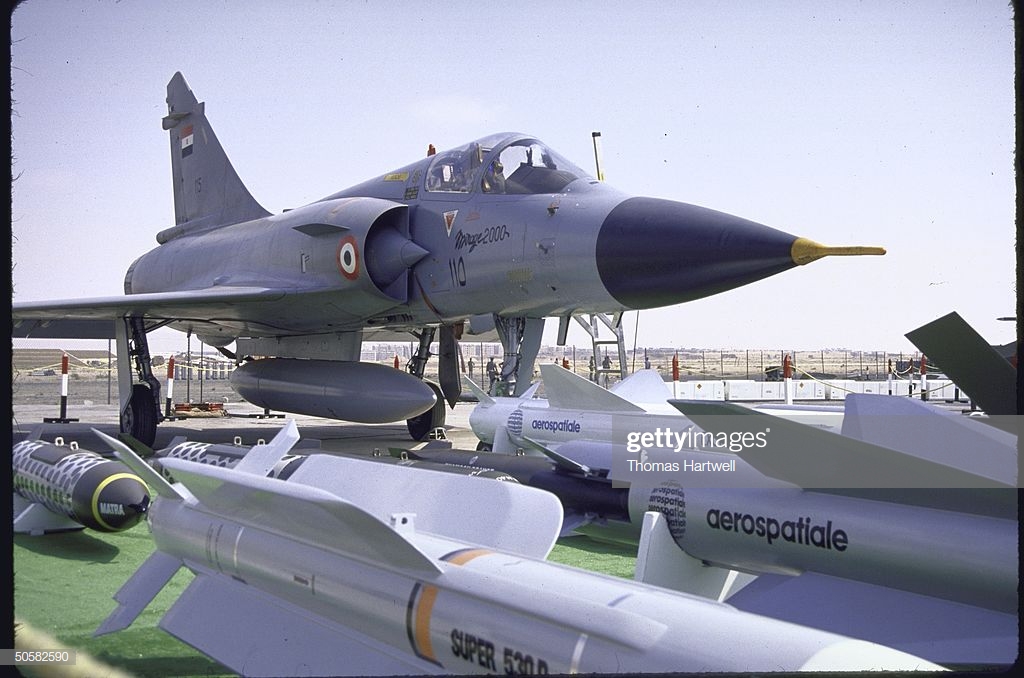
67	488
355	568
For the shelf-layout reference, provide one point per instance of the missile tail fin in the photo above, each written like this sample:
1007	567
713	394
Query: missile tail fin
301	512
562	462
812	458
33	518
139	591
261	459
215	615
643	386
566	390
154	480
482	396
661	562
987	377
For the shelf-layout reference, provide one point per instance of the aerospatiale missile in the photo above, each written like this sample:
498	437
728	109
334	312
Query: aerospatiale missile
355	568
719	509
574	409
578	409
67	488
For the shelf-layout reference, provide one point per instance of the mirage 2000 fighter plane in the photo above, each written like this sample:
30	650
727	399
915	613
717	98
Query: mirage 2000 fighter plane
496	234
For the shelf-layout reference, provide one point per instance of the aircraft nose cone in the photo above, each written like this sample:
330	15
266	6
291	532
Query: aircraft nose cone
653	252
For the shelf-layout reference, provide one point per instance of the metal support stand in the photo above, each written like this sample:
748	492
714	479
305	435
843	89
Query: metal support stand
265	414
613	323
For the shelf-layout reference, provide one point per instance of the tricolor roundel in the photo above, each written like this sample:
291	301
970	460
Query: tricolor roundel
348	257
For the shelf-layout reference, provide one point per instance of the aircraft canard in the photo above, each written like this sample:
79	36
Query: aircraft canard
503	227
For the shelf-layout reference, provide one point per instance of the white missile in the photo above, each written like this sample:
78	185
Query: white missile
355	568
575	409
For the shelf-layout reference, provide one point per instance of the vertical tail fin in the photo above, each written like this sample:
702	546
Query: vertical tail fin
207	190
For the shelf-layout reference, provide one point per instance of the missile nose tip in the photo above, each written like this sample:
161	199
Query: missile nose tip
804	251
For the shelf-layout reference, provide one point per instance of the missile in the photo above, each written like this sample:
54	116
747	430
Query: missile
68	488
575	409
578	409
763	525
351	391
228	456
351	567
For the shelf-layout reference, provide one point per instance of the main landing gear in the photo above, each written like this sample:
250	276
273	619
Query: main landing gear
138	389
421	425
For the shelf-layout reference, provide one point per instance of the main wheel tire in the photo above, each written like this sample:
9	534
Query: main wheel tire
421	425
140	417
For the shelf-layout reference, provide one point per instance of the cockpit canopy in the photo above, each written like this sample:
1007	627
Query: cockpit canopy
502	164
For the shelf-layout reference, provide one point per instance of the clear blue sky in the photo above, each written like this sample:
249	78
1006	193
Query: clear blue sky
873	123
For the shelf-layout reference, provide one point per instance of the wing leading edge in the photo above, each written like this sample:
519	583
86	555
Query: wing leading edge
89	318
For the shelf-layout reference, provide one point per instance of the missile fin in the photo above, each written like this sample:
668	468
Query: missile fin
562	462
139	591
36	433
530	392
812	458
566	390
519	519
154	480
571	521
970	362
35	519
261	459
660	562
643	386
302	512
482	396
255	635
922	430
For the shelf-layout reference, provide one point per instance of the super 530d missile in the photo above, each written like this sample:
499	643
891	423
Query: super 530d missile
66	488
929	571
355	568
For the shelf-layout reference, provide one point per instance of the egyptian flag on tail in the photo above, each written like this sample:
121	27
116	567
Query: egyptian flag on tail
186	142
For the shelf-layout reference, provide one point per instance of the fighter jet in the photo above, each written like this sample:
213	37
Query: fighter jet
496	234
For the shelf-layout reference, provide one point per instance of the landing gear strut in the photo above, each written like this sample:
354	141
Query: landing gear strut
421	425
140	402
520	339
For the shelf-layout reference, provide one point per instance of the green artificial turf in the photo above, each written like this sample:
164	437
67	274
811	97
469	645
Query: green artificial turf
64	585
